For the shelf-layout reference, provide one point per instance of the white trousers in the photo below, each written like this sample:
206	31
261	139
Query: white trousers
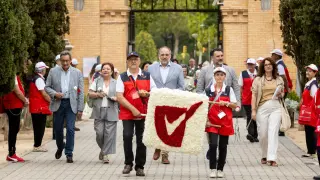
268	123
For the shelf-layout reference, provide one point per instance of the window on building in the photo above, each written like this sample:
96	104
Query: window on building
265	4
78	5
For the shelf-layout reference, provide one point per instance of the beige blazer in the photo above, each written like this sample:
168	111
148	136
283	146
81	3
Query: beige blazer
257	85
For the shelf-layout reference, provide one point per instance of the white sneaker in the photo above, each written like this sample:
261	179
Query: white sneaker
220	174
213	173
105	159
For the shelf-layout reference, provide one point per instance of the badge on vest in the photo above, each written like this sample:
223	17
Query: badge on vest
221	114
135	95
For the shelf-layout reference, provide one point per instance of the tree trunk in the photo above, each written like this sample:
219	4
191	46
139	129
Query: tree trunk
176	45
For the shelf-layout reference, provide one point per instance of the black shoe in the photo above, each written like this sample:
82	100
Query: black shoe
69	159
127	169
281	133
139	172
316	177
76	129
256	140
59	152
250	138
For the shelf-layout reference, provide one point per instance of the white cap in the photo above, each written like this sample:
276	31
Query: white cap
277	52
116	70
260	59
219	69
74	62
98	68
58	57
251	61
40	66
313	67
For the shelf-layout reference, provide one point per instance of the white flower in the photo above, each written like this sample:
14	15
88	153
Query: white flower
75	88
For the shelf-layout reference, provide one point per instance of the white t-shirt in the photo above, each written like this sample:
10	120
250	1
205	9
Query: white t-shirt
313	89
120	85
15	81
40	84
280	68
105	89
232	96
252	75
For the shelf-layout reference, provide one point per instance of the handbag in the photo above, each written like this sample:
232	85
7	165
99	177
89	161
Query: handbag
285	117
305	113
90	100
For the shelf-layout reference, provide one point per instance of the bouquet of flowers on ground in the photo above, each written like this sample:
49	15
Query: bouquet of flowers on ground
292	101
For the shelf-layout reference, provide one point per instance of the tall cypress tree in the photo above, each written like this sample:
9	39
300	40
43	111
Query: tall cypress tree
51	23
16	37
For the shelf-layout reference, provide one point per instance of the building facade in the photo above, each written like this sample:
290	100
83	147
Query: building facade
100	28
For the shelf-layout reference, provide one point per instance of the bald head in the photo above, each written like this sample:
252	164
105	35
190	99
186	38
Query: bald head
164	55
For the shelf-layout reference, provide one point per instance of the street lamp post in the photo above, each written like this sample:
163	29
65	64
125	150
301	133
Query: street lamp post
202	26
195	36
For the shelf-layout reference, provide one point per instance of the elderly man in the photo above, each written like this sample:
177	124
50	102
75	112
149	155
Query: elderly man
65	87
166	75
192	67
74	63
188	81
58	63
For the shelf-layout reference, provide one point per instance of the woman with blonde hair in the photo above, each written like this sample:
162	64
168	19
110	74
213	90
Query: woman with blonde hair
267	89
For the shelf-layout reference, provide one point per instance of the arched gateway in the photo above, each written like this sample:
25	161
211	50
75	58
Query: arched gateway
101	29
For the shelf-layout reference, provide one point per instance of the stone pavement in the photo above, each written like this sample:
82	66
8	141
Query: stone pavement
243	162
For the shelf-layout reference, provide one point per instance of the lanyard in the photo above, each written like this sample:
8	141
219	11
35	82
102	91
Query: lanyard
133	81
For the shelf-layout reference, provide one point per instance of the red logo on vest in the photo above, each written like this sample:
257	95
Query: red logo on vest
171	115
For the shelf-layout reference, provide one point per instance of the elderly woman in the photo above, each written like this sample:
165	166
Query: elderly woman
219	124
105	111
267	88
307	115
39	105
188	81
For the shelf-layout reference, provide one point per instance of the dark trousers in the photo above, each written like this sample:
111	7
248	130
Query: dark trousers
252	128
311	139
65	113
14	127
214	140
318	151
39	126
141	151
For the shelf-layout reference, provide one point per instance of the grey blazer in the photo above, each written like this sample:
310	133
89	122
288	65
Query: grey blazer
175	79
206	77
53	85
112	110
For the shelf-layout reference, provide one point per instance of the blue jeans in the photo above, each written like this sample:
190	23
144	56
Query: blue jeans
64	113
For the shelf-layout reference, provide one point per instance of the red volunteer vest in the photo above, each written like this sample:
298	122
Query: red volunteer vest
281	63
317	107
309	102
226	122
38	105
246	88
11	100
130	93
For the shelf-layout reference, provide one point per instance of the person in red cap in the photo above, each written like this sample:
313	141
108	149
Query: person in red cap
133	87
245	82
307	116
13	104
39	105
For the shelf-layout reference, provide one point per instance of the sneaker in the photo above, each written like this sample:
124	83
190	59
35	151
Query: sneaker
139	172
213	173
39	149
220	174
106	159
14	158
100	156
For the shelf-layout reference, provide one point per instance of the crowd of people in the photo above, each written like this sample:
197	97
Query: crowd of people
114	96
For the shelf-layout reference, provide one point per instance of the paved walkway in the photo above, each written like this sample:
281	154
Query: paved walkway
242	162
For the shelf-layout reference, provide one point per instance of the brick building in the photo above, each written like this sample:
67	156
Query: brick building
101	29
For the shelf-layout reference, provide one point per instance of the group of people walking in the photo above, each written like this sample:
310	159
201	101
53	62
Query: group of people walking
125	97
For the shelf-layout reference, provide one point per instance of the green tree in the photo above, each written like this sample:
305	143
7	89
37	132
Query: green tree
51	23
145	46
16	37
301	33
